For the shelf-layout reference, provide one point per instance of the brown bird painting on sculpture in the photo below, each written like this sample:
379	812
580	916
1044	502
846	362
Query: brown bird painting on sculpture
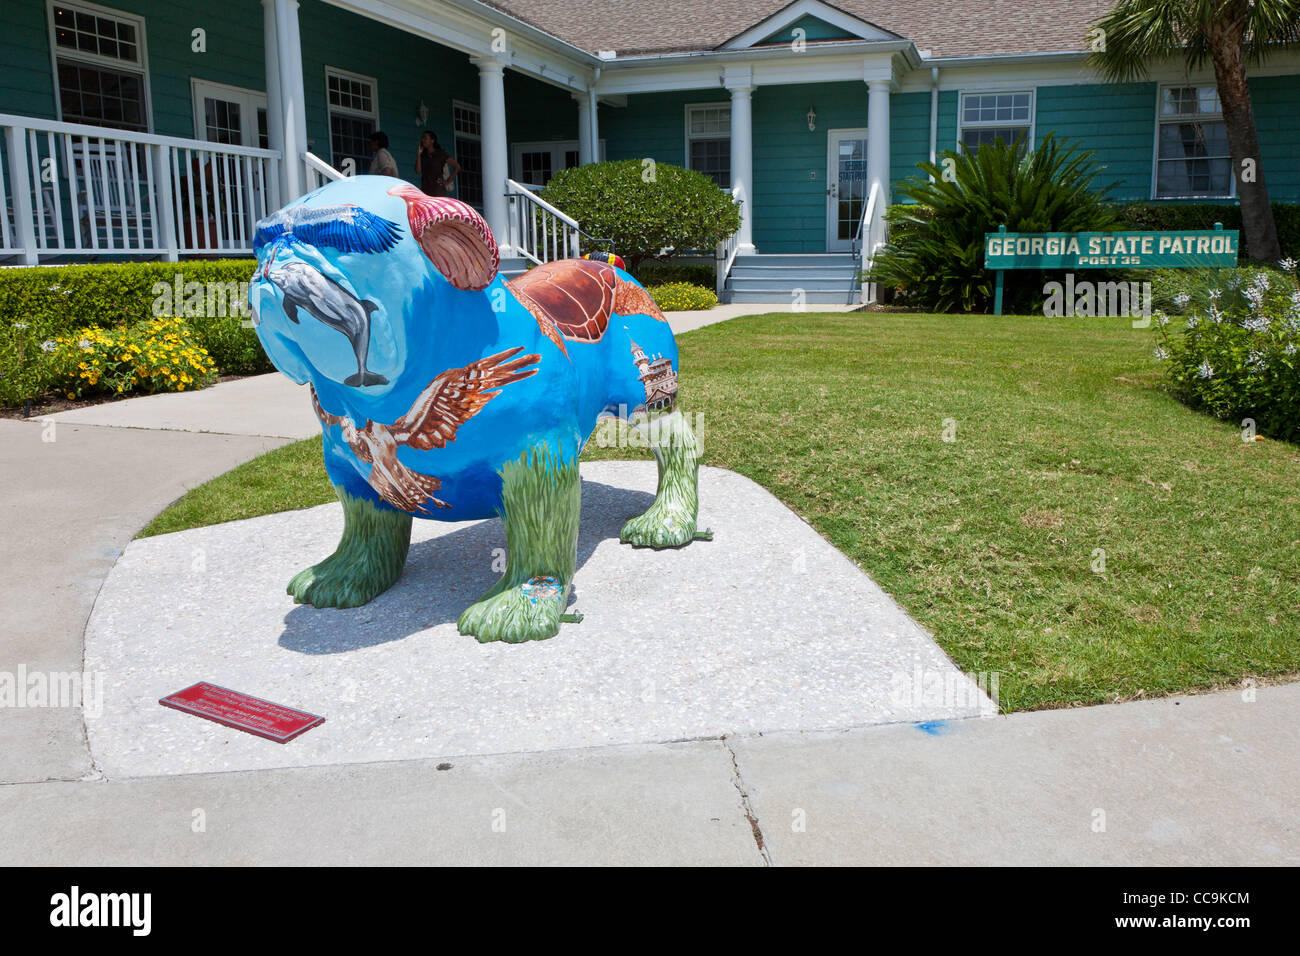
450	400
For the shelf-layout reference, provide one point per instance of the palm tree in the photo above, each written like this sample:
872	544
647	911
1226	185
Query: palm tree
1230	33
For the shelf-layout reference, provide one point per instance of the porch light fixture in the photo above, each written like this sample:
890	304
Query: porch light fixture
422	114
812	120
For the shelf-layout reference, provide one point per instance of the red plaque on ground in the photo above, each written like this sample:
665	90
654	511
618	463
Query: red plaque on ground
250	714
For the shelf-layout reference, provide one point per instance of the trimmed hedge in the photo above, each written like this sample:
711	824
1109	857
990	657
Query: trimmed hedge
656	274
42	304
1170	216
682	297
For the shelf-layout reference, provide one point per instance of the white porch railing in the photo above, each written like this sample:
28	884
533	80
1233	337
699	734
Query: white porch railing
318	171
869	238
725	257
70	190
537	230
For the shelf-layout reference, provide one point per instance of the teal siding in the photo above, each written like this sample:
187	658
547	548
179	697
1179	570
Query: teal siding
813	28
1117	122
1277	120
408	70
909	136
26	83
652	125
790	161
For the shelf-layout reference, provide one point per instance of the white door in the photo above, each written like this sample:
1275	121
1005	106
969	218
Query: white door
236	117
229	114
846	186
536	163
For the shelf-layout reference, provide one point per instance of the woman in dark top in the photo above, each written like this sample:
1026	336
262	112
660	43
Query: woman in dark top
430	162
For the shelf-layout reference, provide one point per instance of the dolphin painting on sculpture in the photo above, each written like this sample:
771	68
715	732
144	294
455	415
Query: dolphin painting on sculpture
310	290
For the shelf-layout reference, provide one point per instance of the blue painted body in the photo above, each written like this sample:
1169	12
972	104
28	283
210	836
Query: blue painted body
420	327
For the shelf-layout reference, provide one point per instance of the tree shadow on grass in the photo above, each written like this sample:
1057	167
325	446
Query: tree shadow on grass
445	575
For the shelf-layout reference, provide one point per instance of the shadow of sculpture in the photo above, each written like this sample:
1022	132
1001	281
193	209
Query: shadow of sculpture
445	575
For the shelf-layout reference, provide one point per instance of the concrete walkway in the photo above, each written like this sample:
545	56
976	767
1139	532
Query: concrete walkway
1195	780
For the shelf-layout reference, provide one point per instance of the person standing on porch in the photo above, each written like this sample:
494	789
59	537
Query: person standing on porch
383	163
436	167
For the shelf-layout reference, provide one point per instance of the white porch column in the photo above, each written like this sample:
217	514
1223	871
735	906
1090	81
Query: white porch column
878	150
274	106
593	112
284	56
585	151
742	160
496	165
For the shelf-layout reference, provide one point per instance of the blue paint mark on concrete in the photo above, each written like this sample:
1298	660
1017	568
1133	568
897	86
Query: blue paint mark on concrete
932	727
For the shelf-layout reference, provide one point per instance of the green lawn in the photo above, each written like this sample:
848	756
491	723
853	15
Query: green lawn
1065	444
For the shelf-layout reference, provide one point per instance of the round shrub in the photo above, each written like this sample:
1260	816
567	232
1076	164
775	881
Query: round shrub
650	210
682	297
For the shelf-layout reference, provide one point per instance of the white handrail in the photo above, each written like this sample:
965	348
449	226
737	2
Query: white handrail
725	257
538	231
131	136
69	189
869	238
318	165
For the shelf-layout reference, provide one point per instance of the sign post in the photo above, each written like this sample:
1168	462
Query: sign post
1216	248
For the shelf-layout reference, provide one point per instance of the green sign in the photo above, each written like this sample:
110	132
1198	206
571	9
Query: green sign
1111	250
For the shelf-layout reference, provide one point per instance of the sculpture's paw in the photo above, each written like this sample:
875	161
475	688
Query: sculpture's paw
529	612
341	580
662	526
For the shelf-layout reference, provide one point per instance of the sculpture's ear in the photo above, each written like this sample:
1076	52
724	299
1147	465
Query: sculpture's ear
455	238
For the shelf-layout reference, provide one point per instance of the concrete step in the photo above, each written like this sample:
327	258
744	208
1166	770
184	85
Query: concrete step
798	259
785	298
798	281
513	266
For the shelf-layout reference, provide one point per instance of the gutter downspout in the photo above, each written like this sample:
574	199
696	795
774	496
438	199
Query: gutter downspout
934	114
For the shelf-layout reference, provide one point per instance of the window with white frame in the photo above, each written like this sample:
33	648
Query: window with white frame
1192	157
468	132
986	117
99	63
708	141
354	115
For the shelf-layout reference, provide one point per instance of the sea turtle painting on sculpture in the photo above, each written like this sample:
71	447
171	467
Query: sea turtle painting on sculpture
447	393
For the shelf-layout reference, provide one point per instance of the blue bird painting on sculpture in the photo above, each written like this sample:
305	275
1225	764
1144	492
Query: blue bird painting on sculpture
433	377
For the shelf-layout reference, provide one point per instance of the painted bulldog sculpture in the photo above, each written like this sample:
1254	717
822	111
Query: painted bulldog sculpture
447	393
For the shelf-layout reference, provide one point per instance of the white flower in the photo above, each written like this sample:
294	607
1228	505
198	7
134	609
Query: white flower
20	325
1181	300
1161	353
1290	348
1193	320
1287	265
85	345
1258	323
1214	294
1161	319
1257	360
48	345
1215	315
1206	370
1233	283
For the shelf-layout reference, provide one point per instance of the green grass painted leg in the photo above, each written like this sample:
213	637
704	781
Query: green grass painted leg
670	521
541	501
369	558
